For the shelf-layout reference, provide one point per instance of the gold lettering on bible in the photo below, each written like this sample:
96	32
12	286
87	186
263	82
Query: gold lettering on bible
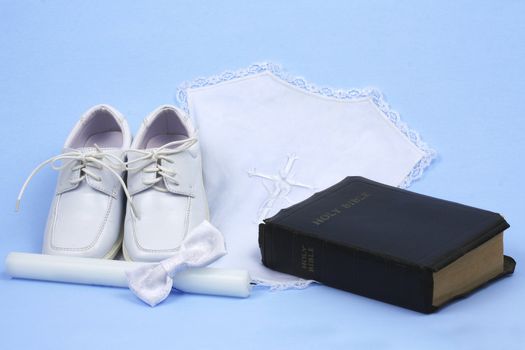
350	203
307	259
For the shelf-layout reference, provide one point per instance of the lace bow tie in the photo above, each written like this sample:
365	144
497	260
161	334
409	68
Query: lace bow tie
153	283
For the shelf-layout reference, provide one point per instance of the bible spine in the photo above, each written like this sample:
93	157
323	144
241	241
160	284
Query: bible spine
346	268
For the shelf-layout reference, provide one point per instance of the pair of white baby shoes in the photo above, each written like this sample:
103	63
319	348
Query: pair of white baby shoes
97	208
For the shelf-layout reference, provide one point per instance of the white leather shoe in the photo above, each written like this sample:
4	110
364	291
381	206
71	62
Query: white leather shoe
86	214
165	182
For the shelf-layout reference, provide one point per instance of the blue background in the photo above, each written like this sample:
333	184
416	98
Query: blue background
455	72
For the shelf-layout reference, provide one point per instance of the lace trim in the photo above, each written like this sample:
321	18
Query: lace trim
373	94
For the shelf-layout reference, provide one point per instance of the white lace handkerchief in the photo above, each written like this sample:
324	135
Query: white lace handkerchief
270	140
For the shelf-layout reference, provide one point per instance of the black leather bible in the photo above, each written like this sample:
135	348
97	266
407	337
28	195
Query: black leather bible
387	243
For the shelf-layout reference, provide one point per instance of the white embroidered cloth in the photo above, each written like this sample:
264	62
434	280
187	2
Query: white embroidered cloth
270	140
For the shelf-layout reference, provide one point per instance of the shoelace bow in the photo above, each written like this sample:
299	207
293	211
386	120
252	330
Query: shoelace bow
152	158
86	160
94	160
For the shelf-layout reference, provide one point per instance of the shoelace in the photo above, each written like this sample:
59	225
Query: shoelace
153	158
91	159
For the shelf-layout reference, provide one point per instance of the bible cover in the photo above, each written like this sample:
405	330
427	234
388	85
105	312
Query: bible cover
376	240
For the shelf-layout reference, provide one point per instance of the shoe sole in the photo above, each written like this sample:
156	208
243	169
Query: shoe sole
115	248
125	254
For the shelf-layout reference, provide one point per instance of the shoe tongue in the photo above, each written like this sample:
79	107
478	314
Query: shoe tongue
161	183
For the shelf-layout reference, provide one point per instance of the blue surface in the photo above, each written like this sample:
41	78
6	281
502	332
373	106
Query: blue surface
455	72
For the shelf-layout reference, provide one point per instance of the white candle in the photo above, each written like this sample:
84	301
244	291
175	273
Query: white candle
226	282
